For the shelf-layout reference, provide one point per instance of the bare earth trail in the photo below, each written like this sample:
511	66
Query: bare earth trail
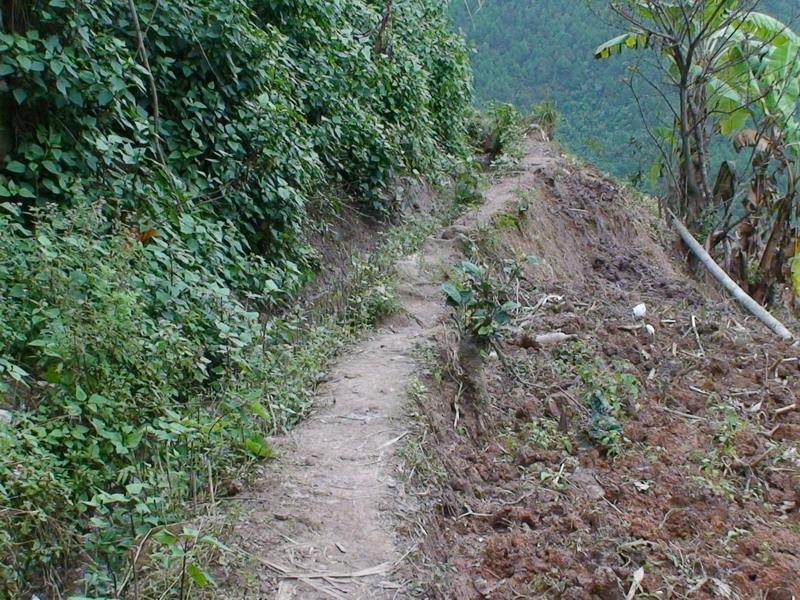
704	495
329	503
326	504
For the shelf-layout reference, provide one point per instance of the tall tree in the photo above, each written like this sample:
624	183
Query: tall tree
689	47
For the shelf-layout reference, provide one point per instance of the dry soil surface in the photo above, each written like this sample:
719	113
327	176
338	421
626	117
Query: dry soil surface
696	496
637	458
327	519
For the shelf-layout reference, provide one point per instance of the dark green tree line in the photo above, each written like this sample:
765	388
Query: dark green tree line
530	51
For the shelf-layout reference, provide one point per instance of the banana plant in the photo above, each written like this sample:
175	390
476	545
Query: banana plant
765	73
737	74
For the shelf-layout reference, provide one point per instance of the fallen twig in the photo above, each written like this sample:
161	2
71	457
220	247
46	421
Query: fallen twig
697	336
518	500
471	513
285	573
682	414
392	441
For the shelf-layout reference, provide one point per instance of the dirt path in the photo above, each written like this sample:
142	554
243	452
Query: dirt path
330	503
327	504
692	490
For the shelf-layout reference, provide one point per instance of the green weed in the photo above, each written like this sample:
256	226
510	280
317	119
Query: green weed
537	433
483	308
608	390
499	131
415	452
546	115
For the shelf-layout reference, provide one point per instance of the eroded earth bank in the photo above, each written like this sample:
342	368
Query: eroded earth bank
586	453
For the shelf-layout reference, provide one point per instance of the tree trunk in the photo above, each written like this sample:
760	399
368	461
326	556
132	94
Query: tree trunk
697	112
691	194
774	256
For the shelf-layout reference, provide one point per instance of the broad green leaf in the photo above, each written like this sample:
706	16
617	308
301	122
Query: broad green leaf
258	409
258	446
631	40
733	121
165	536
187	224
728	104
51	166
767	29
105	97
471	268
15	167
134	489
453	293
502	317
199	575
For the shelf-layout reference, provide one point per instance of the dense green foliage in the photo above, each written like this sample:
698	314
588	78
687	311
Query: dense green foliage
531	51
143	250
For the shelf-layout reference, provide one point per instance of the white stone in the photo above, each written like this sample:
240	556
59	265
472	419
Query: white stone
639	311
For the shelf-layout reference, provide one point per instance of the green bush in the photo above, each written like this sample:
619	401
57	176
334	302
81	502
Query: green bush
144	263
125	365
260	104
498	131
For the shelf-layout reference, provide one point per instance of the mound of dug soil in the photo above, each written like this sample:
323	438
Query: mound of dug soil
630	458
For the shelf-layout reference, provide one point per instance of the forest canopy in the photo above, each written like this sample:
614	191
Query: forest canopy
532	51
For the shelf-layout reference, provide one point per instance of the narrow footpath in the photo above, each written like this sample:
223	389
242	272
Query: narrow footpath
326	520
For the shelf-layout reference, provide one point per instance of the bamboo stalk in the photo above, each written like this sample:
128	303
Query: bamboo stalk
737	292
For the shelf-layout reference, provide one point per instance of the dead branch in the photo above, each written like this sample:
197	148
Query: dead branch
150	80
386	20
737	292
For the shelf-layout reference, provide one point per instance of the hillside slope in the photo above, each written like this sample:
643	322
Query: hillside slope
552	467
530	52
569	462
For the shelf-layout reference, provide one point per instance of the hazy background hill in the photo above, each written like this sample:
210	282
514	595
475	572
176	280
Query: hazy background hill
529	51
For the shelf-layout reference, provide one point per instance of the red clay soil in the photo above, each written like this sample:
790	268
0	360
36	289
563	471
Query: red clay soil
701	489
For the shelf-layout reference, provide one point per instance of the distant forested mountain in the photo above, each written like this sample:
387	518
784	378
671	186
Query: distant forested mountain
529	51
